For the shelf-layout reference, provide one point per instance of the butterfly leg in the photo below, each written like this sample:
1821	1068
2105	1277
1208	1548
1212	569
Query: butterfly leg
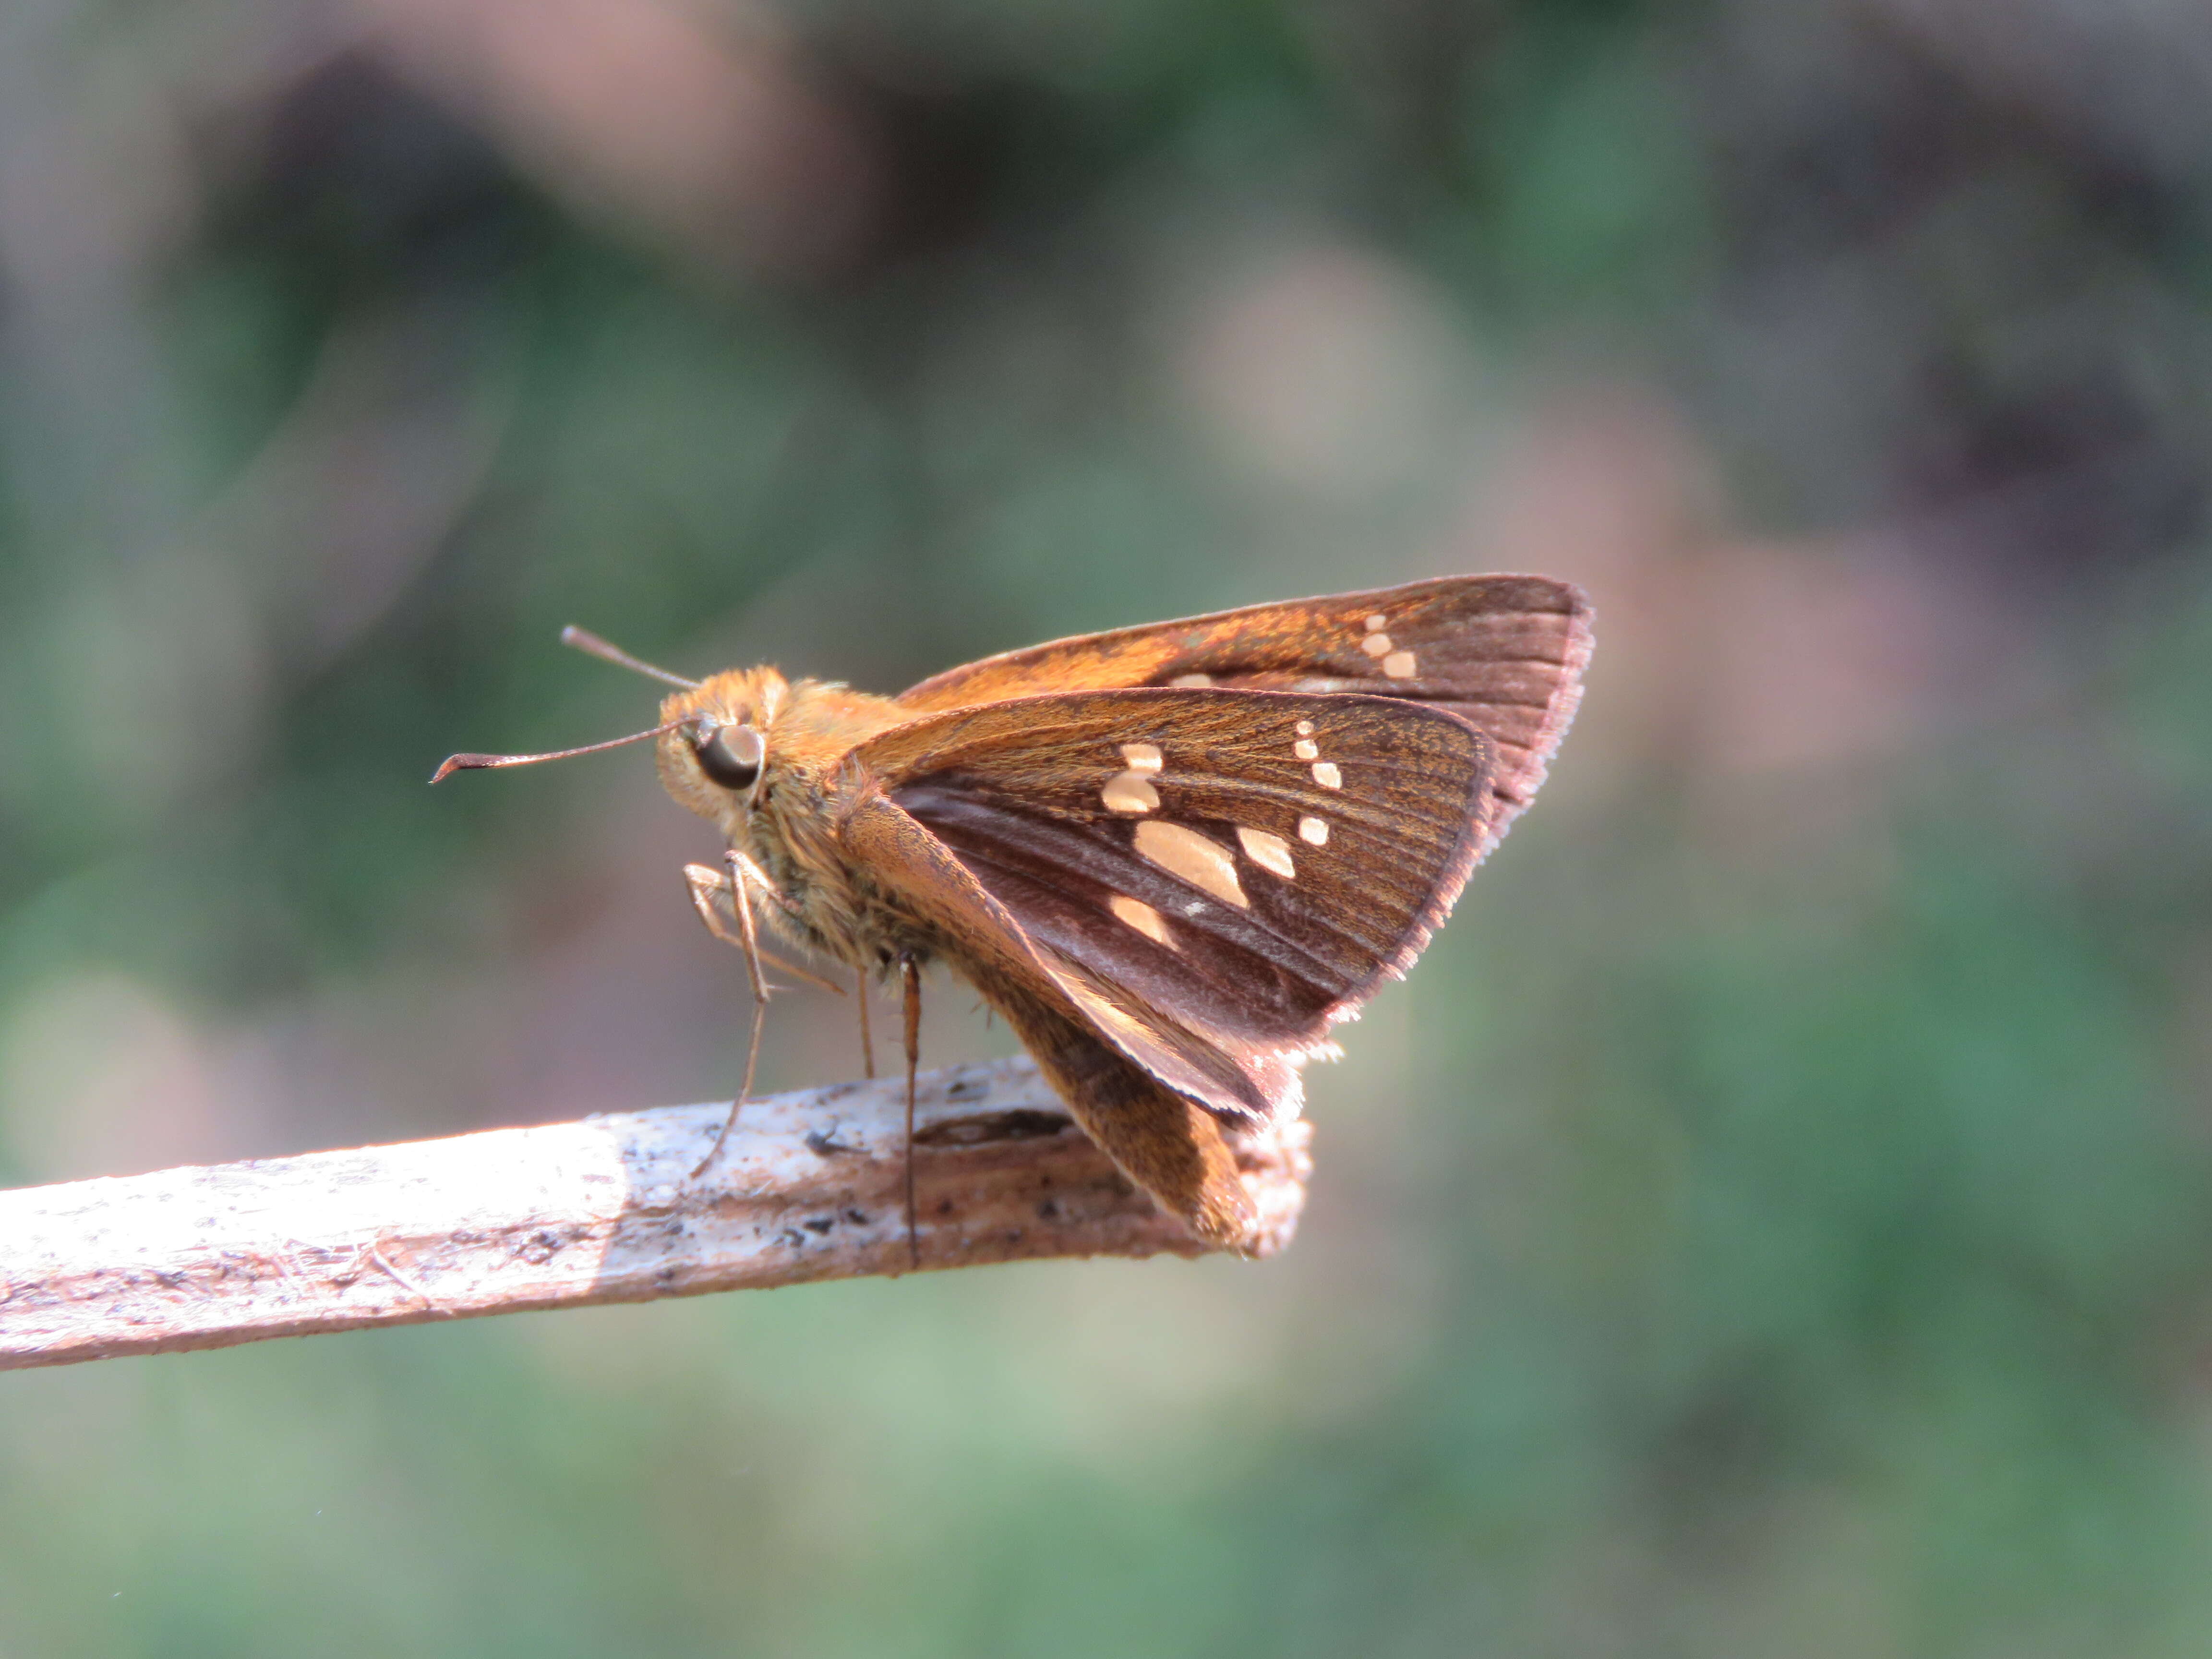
912	976
758	977
710	888
867	1042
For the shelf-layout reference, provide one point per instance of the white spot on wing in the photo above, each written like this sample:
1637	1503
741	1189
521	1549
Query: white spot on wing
1326	775
1306	749
1376	623
1313	832
1142	917
1304	728
1270	852
1192	682
1399	664
1188	854
1376	645
1130	792
1141	756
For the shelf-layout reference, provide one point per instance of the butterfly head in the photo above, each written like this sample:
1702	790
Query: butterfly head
715	749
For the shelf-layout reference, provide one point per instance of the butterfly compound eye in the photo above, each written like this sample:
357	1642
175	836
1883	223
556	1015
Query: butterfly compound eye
730	755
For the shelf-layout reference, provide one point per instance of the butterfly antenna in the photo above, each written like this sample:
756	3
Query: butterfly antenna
591	645
474	762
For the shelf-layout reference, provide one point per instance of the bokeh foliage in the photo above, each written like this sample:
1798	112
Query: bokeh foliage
1772	1220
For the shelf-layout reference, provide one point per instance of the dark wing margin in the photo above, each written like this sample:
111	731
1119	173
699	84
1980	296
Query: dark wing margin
1220	873
1504	652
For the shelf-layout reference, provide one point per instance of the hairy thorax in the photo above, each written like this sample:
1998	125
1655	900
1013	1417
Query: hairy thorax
788	822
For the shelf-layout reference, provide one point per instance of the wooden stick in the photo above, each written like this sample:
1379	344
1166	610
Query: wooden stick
811	1187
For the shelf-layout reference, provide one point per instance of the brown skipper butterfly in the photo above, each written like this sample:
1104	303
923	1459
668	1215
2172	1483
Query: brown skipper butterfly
1172	856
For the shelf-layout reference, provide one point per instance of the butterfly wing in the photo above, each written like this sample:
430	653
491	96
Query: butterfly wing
1212	878
1148	1099
1504	652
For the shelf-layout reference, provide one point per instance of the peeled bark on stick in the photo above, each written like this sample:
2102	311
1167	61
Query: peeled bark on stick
811	1187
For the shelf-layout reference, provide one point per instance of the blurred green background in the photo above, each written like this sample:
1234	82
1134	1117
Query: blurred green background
1773	1220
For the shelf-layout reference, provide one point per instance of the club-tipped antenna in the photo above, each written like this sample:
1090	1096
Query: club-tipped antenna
590	643
473	763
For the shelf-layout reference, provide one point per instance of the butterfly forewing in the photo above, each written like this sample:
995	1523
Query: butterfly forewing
1506	652
1236	869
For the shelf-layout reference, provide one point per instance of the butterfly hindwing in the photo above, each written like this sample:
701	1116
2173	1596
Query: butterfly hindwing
1506	652
1213	876
1151	1100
